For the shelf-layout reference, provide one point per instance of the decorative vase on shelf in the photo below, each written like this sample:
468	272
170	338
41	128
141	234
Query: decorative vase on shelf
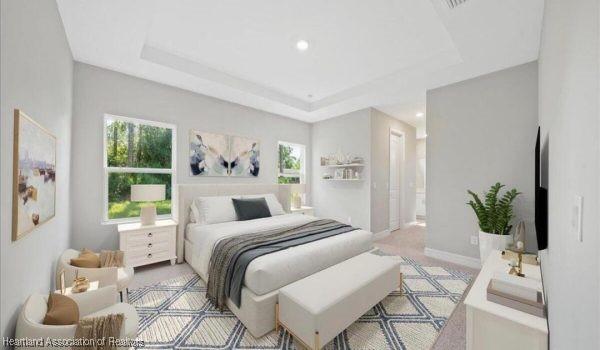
339	157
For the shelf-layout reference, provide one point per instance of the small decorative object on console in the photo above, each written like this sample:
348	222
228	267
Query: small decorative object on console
80	285
524	294
520	233
517	265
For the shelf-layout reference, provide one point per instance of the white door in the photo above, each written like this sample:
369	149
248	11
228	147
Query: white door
396	167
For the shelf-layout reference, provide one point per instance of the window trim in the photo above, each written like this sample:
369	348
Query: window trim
107	170
302	171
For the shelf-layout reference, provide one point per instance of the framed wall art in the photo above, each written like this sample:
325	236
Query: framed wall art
223	155
34	175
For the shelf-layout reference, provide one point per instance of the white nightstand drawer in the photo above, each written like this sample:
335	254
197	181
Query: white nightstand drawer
141	254
304	210
149	258
151	247
150	237
150	233
148	244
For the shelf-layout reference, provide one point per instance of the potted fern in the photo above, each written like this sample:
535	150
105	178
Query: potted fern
494	216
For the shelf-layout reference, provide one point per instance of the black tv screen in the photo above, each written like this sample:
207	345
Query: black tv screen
541	199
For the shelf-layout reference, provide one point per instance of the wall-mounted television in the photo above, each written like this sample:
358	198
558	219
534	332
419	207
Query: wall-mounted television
541	198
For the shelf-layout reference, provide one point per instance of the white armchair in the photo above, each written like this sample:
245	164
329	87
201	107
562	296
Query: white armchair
94	303
106	276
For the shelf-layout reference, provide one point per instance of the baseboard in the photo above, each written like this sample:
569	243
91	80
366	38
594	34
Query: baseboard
453	258
380	235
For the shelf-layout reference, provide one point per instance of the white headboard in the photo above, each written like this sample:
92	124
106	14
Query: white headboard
187	193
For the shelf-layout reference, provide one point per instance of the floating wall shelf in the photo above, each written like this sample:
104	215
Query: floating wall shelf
354	165
343	179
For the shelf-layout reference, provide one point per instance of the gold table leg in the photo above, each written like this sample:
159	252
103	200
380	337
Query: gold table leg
401	292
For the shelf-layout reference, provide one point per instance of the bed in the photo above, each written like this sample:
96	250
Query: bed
266	274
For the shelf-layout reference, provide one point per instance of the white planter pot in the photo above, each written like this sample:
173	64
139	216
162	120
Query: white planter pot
489	242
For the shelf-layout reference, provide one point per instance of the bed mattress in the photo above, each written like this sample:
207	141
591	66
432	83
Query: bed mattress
273	271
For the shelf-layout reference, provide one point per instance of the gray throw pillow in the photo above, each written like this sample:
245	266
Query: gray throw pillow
251	208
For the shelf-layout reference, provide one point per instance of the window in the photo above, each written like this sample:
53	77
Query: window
291	163
136	152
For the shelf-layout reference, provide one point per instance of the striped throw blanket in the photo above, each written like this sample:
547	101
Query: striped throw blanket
231	256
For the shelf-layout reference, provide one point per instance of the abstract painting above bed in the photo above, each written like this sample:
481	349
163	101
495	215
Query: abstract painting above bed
245	156
223	155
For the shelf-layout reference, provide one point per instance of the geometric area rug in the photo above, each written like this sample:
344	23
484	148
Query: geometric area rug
175	314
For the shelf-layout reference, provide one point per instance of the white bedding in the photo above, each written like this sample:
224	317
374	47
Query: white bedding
273	271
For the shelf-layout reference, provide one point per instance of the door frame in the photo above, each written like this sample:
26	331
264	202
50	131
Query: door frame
402	154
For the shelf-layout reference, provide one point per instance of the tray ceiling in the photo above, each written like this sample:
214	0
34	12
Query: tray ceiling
360	53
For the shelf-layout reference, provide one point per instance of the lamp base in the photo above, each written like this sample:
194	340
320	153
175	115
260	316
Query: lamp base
148	215
296	201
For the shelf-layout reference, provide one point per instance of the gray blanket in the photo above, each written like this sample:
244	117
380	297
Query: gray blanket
231	256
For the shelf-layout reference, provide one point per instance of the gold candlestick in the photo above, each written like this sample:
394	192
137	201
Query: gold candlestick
517	269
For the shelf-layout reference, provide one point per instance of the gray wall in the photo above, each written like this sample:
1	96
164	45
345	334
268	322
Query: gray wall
421	152
98	91
479	132
36	77
381	124
569	93
349	133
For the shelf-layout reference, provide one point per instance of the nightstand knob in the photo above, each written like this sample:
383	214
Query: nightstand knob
149	245
149	234
149	256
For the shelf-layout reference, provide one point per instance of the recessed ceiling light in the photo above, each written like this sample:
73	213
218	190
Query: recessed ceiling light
420	114
302	45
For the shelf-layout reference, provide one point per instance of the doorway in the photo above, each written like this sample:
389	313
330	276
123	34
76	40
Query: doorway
397	158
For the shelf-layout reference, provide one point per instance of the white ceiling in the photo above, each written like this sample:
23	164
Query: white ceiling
382	53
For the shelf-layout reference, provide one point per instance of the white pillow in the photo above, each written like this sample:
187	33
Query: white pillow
274	206
213	210
194	213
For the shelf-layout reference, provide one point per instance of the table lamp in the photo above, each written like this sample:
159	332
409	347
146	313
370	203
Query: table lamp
297	191
148	194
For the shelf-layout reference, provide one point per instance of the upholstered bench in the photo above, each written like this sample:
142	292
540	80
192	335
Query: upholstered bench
314	310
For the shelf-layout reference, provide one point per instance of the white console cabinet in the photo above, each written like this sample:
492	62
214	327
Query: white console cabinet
491	326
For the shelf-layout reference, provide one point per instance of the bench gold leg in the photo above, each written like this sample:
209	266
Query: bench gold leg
277	317
292	335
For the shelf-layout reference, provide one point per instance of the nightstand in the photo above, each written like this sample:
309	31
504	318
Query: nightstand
148	244
304	210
